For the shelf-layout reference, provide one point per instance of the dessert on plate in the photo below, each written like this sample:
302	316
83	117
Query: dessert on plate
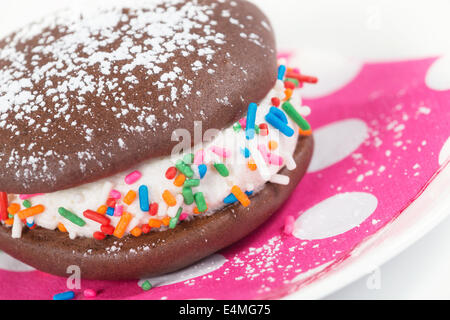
140	137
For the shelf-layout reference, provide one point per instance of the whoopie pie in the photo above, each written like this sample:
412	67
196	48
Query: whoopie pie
140	137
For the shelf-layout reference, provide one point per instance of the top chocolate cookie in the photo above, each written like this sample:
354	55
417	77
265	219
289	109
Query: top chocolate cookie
87	94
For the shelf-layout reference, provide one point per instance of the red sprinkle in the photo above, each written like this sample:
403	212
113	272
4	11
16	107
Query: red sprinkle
289	85
154	209
111	202
171	173
3	206
146	228
264	129
302	78
97	217
276	102
99	235
109	229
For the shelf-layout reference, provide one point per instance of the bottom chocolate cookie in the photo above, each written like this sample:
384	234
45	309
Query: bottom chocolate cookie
157	252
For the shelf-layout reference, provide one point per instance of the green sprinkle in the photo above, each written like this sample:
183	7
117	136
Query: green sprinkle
146	286
188	195
222	169
11	216
192	183
189	159
294	81
184	168
295	116
27	204
257	129
237	127
200	202
71	217
174	221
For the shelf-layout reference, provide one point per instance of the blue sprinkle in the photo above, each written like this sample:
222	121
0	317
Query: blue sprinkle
281	72
279	114
144	199
251	118
29	225
202	169
69	295
110	211
232	198
278	124
246	153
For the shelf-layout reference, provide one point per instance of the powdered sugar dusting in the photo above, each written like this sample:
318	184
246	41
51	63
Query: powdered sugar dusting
93	31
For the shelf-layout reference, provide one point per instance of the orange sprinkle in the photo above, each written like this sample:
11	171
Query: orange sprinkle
273	145
252	165
166	221
121	227
62	228
288	93
102	209
154	223
9	222
305	133
30	212
137	232
130	197
241	196
196	211
13	208
169	198
179	180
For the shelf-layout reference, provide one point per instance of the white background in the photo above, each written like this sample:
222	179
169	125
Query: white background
355	31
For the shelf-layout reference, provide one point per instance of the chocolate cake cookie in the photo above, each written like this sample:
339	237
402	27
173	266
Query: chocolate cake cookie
145	134
88	94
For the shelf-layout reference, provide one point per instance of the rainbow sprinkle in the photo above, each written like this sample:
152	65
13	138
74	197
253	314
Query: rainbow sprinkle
281	72
72	217
250	124
133	177
68	295
144	198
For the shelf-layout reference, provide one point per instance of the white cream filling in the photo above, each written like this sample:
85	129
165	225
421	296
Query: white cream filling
214	187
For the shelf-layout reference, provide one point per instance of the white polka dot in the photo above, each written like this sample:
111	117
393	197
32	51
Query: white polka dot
203	267
335	216
438	76
333	70
337	141
10	264
444	155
